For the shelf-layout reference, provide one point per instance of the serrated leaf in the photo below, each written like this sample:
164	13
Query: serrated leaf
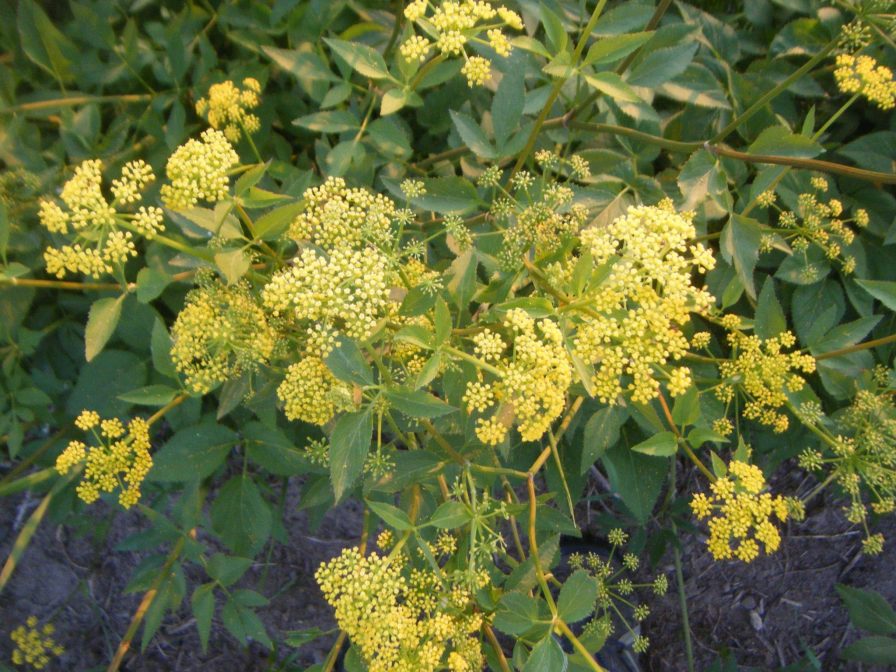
601	432
449	516
42	42
151	283
770	319
507	105
241	517
740	246
780	141
663	444
638	478
517	613
101	322
348	364
611	84
361	58
270	448
472	135
329	121
244	624
661	65
227	569
391	515
193	452
610	49
577	596
150	395
202	604
547	655
418	403
872	650
233	265
304	65
275	223
882	290
349	444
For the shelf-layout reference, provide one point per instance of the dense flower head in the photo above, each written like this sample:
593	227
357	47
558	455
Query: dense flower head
336	215
34	646
530	388
311	393
401	620
862	75
116	457
97	225
220	333
344	290
740	514
764	374
541	221
197	171
633	325
453	25
227	107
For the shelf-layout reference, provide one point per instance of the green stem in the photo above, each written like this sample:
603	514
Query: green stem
771	94
586	654
70	101
555	91
683	604
673	145
62	284
858	347
27	482
460	354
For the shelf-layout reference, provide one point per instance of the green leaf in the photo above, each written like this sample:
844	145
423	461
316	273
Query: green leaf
450	515
203	605
472	135
243	624
663	444
577	597
270	448
547	655
517	613
101	322
233	265
638	478
700	177
304	65
330	121
611	84
150	284
391	515
770	319
441	321
740	246
661	65
227	569
882	290
418	403
780	141
686	410
868	610
297	638
700	435
395	99
507	105
193	452
416	335
462	284
872	650
150	395
348	364
275	223
241	517
42	42
447	195
361	58
844	335
610	49
349	443
601	432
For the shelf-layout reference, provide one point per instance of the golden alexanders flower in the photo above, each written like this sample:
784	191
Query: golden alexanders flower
311	393
864	76
220	333
630	326
740	514
198	171
227	107
102	230
34	646
401	619
116	456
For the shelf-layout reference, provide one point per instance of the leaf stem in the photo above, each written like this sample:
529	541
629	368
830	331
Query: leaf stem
586	654
858	347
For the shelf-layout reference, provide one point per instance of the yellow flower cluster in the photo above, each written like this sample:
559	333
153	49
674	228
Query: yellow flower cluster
862	75
95	222
227	105
119	458
309	392
632	322
764	373
530	384
401	623
454	24
198	170
220	333
336	215
740	513
346	290
34	646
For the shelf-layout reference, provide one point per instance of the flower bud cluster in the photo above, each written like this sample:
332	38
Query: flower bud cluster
34	646
764	374
401	620
220	333
104	235
118	456
198	171
862	75
311	393
453	25
740	513
226	107
530	384
633	322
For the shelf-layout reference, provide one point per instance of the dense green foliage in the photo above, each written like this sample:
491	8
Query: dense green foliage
447	259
